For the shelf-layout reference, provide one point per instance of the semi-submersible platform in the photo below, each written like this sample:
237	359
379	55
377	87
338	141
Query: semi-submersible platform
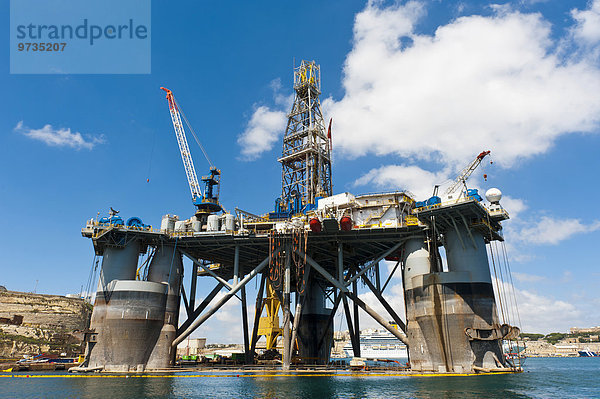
314	245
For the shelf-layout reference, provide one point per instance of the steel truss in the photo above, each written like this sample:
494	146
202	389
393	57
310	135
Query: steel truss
344	289
306	155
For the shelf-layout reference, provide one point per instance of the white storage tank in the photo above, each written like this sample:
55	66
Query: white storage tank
212	223
180	225
229	222
168	222
196	226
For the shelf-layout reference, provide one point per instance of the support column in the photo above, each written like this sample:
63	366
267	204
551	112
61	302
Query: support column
427	350
248	356
194	277
355	345
133	319
315	330
257	312
340	263
300	304
356	317
329	323
286	312
167	267
473	326
236	265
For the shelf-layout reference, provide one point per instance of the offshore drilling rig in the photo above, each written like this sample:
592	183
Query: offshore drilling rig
314	245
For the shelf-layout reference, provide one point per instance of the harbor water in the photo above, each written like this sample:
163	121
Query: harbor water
543	378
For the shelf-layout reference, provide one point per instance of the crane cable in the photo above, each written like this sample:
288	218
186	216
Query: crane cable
510	292
511	282
151	157
193	133
91	277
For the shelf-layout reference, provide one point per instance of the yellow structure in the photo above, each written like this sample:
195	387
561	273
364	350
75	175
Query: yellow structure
268	326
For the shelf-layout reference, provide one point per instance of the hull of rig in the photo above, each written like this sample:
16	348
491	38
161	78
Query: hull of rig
309	255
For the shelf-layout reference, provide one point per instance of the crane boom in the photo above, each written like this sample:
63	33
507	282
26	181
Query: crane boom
466	172
207	200
186	157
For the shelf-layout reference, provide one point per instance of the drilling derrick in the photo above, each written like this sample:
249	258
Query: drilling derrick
306	156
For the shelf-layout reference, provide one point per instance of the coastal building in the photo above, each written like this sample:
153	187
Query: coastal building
585	330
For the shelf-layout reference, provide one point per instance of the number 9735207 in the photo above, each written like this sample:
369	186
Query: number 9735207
41	46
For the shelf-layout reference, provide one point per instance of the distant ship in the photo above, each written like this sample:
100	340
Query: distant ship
376	344
588	353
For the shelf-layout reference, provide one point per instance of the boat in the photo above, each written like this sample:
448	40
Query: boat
378	344
358	363
49	358
588	353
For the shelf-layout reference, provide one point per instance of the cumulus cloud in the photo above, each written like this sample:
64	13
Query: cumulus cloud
546	314
266	125
542	313
587	28
418	181
527	278
263	130
550	230
494	82
60	137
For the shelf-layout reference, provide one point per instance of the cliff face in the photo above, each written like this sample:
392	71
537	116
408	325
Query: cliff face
35	323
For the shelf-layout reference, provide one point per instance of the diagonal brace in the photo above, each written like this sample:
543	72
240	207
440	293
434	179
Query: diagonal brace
206	269
374	262
222	301
322	271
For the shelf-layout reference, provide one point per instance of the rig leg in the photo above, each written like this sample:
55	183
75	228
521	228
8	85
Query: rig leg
257	312
314	330
248	356
356	318
286	313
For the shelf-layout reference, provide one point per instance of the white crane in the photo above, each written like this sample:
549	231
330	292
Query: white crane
461	179
205	201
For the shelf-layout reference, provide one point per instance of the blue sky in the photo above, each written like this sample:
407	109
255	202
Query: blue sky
416	90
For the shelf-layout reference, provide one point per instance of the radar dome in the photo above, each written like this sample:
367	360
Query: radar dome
493	195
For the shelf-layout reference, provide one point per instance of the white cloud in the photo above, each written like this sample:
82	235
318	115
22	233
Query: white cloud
477	83
542	314
587	28
527	278
552	231
263	130
59	137
546	314
514	206
266	126
418	181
